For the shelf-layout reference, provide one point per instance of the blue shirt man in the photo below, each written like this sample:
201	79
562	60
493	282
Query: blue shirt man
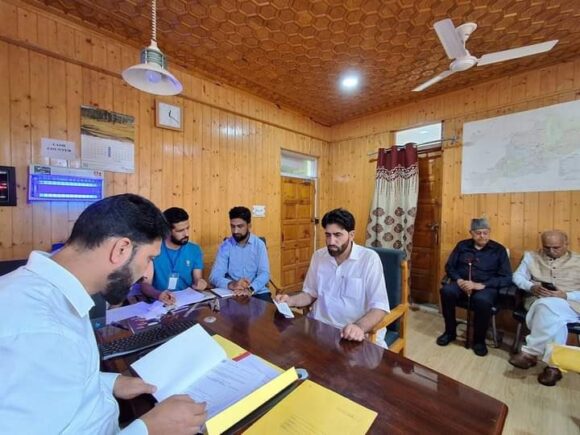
179	264
241	263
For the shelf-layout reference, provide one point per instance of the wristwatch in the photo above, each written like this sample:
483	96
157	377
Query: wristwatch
252	291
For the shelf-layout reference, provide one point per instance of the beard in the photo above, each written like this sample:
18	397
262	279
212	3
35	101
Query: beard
180	241
335	250
119	283
240	237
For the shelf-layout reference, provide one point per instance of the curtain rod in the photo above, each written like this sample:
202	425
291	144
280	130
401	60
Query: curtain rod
432	142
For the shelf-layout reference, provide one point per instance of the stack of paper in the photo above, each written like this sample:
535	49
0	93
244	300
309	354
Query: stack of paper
157	308
223	292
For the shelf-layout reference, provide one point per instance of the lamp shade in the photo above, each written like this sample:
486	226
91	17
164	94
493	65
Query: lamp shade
150	75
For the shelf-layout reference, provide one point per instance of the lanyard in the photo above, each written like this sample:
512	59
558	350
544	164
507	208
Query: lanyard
172	260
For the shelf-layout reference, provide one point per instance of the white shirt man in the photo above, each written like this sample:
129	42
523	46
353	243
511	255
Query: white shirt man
345	282
48	355
552	277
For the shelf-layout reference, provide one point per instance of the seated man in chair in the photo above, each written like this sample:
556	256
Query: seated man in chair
179	264
477	268
241	263
552	279
345	281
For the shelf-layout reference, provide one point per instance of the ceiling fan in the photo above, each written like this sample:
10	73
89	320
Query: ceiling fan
453	40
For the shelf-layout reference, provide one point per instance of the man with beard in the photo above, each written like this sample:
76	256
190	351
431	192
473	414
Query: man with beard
241	263
180	263
50	361
345	282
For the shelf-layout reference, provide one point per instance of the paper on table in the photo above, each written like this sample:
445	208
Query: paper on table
313	410
117	314
284	309
223	292
190	296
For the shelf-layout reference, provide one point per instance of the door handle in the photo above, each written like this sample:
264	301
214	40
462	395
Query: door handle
434	227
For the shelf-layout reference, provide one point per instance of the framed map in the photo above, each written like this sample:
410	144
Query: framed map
531	151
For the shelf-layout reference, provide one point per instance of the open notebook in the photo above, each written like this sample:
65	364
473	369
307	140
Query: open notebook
194	363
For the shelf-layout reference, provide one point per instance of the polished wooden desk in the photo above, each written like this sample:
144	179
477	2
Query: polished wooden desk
408	397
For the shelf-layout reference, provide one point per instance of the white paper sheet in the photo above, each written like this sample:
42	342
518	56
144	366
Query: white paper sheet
140	309
284	309
190	296
229	382
179	362
223	292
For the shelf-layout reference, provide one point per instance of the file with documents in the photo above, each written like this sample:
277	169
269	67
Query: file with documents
194	363
312	409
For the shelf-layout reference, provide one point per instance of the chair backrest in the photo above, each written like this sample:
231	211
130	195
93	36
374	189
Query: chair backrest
8	266
392	260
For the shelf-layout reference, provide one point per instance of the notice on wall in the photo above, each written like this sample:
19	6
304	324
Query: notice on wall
58	149
107	140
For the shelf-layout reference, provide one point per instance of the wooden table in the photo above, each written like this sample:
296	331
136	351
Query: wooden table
409	397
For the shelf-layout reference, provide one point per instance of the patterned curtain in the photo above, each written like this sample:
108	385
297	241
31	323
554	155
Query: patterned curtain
394	207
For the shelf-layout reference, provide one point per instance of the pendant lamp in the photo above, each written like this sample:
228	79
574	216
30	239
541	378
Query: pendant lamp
151	75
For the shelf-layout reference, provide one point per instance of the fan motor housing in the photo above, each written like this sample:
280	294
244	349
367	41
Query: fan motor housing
463	63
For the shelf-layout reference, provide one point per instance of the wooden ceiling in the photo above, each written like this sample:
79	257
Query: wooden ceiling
293	52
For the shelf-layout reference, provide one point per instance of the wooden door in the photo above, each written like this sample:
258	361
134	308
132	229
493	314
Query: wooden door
297	231
425	257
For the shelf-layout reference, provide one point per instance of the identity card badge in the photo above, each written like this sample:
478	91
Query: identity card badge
173	281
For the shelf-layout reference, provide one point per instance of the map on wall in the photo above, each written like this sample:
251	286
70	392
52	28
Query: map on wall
532	151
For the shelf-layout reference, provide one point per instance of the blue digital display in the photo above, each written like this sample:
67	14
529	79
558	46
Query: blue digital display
48	187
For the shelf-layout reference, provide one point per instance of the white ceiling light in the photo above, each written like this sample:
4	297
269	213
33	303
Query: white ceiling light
151	75
349	82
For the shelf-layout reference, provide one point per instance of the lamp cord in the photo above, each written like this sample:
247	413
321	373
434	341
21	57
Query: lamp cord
154	20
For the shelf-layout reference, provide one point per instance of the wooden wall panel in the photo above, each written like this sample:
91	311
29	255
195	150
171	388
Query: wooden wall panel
228	153
517	219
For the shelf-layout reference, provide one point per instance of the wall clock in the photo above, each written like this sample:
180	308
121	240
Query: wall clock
168	115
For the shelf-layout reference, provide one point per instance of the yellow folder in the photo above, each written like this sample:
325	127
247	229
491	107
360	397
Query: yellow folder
230	416
312	409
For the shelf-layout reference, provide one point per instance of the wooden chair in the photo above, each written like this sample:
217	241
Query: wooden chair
396	270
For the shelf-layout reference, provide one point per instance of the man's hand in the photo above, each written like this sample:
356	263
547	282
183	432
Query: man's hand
353	332
243	292
129	387
200	285
240	287
541	292
283	298
469	286
167	298
176	415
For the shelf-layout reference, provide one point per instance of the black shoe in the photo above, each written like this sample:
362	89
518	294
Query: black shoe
480	349
445	338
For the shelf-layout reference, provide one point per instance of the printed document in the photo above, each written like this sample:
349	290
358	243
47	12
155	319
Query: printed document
194	363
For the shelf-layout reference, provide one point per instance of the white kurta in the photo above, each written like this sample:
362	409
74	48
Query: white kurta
547	317
49	360
345	293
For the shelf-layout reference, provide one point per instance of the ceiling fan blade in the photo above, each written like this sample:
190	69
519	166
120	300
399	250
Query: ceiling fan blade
433	80
452	43
516	53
